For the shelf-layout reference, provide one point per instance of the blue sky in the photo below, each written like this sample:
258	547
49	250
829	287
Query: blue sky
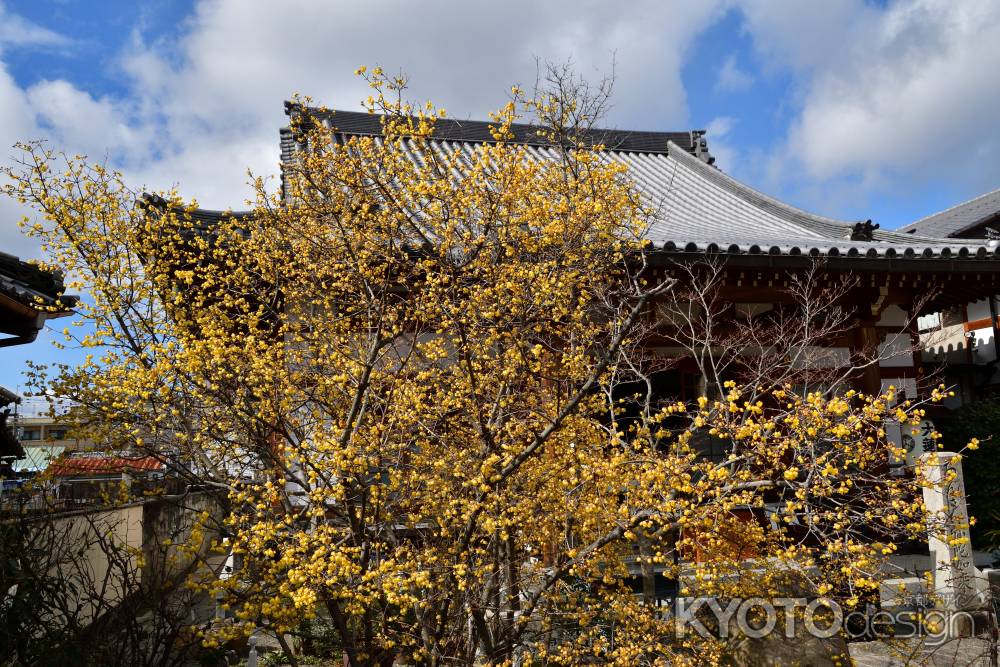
852	109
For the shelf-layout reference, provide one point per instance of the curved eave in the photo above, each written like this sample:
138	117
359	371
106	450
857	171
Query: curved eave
832	233
30	303
22	322
818	224
982	256
29	296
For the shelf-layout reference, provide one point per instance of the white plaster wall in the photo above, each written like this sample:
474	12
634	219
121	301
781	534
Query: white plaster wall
928	322
978	310
896	351
985	350
893	316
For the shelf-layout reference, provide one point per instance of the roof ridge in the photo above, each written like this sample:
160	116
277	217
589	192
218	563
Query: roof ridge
476	131
151	200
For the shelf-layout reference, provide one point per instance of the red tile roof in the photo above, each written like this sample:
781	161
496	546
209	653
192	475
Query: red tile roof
75	466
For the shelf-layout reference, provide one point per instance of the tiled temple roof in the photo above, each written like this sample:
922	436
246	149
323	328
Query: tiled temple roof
698	207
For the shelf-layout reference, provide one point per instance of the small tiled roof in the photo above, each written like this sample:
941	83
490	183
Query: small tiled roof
960	218
203	218
698	207
28	284
76	466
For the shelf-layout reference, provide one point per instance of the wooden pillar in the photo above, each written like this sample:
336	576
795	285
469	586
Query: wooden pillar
866	344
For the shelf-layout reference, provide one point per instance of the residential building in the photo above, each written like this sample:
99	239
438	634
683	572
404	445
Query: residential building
44	439
49	431
85	477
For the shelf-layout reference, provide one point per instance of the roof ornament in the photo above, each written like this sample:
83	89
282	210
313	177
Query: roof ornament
863	231
992	234
151	200
700	145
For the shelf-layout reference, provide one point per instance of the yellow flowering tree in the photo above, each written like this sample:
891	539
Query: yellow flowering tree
413	373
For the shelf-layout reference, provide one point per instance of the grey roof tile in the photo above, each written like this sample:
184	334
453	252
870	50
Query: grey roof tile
959	218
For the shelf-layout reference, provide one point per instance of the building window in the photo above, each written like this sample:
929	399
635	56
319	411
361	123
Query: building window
57	434
31	434
710	448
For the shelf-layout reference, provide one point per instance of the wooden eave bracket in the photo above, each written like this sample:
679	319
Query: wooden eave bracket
879	304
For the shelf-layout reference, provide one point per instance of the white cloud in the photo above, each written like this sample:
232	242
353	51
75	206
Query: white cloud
927	88
731	78
16	122
19	32
218	91
720	126
907	93
719	143
803	35
69	116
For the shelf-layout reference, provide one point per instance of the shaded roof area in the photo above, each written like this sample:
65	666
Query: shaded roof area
28	296
10	447
7	397
961	219
698	208
27	283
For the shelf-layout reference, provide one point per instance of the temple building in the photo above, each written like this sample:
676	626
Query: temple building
758	244
758	252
